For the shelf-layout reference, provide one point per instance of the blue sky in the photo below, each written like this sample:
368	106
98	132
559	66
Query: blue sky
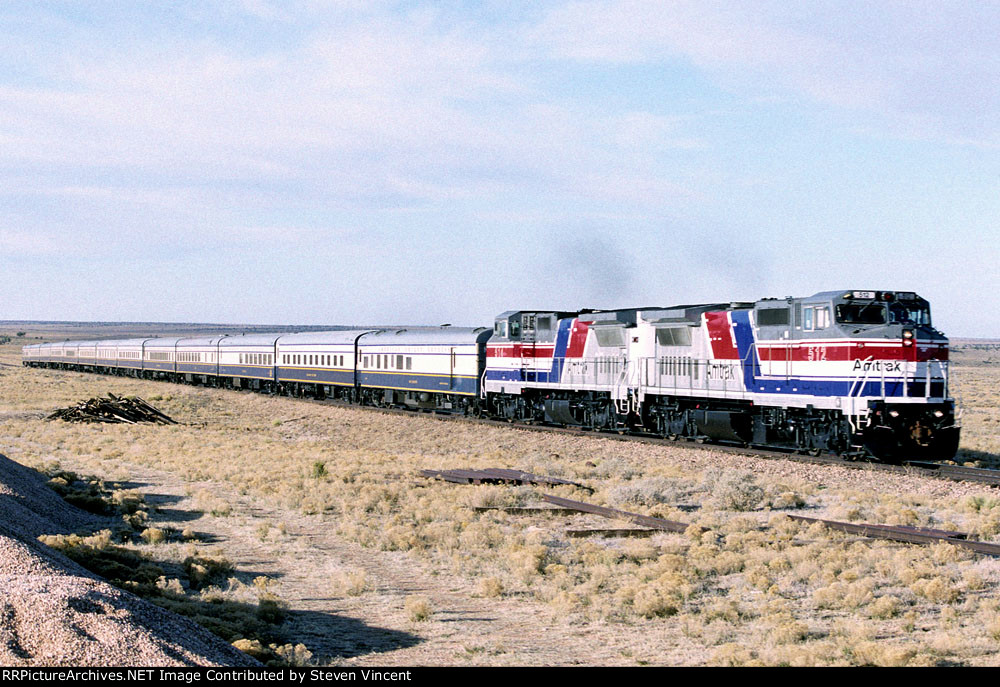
372	162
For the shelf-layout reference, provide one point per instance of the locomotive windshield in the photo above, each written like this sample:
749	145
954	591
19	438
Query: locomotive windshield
875	313
910	313
860	313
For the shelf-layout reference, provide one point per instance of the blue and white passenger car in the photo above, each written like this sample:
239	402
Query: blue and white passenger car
320	363
197	359
423	367
248	361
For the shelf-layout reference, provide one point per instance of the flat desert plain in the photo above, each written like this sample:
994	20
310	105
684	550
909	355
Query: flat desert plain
303	533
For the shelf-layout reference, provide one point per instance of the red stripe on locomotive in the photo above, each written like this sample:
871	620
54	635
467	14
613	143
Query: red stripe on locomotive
720	333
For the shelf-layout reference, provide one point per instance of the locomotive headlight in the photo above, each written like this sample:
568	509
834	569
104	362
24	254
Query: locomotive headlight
907	337
938	413
894	413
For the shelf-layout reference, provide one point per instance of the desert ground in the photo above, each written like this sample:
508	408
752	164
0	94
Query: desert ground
302	533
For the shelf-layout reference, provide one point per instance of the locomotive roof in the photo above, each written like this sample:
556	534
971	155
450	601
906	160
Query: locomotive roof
835	295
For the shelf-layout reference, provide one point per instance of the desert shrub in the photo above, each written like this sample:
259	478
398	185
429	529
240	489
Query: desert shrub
86	493
885	607
253	647
271	609
662	596
295	656
352	582
616	467
993	629
203	570
491	587
96	553
127	501
732	655
207	502
645	492
418	608
735	490
936	589
844	595
154	535
787	500
496	496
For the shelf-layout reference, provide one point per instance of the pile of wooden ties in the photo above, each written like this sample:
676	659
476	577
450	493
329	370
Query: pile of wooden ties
129	410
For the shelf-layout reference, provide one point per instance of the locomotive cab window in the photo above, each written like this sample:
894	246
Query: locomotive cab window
860	313
909	313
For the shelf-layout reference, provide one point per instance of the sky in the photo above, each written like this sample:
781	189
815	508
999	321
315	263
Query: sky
314	162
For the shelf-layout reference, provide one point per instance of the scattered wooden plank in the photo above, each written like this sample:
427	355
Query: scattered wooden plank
526	510
645	520
912	535
497	476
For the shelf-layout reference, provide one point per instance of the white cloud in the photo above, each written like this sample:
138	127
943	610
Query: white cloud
14	242
930	69
372	105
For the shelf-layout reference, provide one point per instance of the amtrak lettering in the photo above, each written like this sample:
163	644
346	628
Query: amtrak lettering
722	371
877	366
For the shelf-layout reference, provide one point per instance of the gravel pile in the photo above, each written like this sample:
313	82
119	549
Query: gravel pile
55	613
29	507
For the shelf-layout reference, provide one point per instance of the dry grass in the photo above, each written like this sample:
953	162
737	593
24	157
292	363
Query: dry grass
756	588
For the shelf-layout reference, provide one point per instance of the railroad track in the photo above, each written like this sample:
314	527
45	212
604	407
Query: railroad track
955	473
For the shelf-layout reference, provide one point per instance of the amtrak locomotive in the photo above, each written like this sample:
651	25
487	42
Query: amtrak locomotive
856	373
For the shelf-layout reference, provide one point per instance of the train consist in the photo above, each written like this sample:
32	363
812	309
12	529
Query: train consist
856	373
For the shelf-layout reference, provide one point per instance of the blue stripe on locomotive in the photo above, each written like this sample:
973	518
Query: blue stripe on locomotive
797	385
559	354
